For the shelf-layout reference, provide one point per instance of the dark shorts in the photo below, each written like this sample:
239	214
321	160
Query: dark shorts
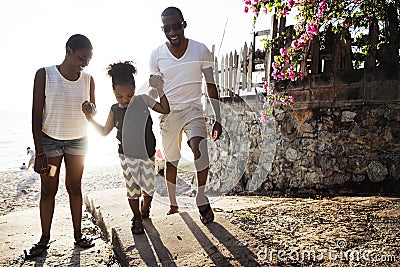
54	147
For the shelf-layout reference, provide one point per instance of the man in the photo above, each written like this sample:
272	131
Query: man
30	152
182	62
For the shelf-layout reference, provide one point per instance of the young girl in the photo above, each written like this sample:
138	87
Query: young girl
59	133
137	143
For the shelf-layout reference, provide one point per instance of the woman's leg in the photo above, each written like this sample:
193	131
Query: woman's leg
74	165
49	187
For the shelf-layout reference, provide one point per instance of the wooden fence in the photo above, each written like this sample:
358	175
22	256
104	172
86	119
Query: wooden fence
234	71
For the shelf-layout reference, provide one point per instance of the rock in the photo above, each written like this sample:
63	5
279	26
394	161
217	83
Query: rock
377	172
348	116
291	154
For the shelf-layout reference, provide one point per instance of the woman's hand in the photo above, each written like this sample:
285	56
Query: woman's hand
41	163
88	108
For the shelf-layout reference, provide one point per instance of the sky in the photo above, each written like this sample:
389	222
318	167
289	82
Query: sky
34	33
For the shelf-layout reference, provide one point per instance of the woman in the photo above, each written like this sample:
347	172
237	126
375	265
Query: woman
59	132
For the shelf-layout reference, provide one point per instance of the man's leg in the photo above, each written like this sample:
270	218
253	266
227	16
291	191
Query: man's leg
201	162
170	175
31	162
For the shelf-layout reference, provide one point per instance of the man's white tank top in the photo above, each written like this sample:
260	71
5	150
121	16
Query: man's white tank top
63	118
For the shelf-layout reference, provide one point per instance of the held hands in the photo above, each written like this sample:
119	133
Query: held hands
156	83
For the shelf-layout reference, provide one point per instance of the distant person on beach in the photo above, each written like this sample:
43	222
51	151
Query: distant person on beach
137	143
30	152
183	62
59	131
23	166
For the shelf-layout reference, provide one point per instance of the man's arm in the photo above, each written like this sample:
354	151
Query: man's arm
212	93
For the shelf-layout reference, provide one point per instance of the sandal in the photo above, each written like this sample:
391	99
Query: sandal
137	225
172	210
145	213
36	251
84	242
207	214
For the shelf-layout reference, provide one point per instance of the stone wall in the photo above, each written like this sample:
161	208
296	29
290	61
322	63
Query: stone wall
341	136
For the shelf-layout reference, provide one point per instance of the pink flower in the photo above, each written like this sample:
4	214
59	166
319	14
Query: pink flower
246	9
247	2
292	75
275	66
295	44
265	86
282	74
284	12
312	29
283	51
291	99
263	119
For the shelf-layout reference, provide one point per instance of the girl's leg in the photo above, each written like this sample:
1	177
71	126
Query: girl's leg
147	175
134	205
146	202
49	187
74	165
137	224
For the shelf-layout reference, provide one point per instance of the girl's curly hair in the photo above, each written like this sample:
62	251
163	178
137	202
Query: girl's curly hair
122	73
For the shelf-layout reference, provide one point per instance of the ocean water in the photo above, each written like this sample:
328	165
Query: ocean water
16	136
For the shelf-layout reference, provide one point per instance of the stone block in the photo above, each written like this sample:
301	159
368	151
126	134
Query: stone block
382	91
322	94
349	93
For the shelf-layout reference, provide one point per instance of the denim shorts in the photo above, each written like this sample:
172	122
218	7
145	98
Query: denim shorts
54	147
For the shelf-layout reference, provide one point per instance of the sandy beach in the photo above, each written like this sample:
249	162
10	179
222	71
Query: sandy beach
20	189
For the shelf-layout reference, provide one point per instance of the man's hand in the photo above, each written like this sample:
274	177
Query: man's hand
216	131
156	81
